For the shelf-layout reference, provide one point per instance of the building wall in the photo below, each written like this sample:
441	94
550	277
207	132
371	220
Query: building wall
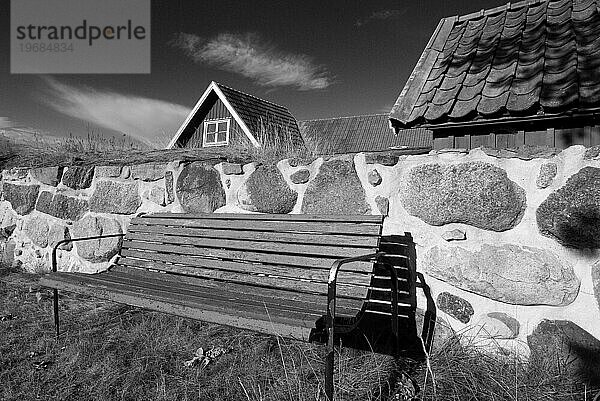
560	138
505	242
218	110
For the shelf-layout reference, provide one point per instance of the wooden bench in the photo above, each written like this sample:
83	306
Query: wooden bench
298	276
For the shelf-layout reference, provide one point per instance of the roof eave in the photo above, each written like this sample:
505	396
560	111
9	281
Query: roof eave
590	113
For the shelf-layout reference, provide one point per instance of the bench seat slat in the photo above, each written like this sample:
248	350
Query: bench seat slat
285	237
213	268
255	246
248	256
346	290
250	296
248	290
376	219
288	324
253	296
200	294
265	225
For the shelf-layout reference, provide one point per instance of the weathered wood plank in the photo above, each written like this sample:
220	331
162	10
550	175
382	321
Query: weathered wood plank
292	260
322	239
251	295
255	246
198	295
201	295
212	268
290	328
377	219
248	291
274	226
268	281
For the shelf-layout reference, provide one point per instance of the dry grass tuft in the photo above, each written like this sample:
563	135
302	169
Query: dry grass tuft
464	371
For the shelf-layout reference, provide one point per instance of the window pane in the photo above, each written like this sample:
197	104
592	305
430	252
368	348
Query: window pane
222	127
211	127
221	137
210	138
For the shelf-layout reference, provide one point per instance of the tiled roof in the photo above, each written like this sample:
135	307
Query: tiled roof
261	116
360	134
532	58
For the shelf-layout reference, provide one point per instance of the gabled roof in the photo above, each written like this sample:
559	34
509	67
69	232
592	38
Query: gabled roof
257	117
532	58
359	134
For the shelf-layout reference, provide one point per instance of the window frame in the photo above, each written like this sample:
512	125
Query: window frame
216	122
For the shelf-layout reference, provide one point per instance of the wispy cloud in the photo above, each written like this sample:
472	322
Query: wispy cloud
148	120
380	15
252	57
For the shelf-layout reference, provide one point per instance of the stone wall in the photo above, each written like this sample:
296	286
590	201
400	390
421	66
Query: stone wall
506	242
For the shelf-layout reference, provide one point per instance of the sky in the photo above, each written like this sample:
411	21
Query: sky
320	59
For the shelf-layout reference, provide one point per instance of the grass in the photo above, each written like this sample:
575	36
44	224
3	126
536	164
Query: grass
114	352
110	352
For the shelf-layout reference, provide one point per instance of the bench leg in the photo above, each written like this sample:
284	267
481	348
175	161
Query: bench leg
56	323
329	360
329	375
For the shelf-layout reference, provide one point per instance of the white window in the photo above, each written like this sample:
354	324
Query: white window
216	132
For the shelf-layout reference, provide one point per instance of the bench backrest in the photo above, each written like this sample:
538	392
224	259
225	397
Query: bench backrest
272	252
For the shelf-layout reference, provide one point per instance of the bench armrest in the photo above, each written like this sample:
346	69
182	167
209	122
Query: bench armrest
64	241
331	289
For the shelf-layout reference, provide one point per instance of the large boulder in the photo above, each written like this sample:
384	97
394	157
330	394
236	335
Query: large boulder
62	206
47	175
335	190
21	197
97	250
564	347
571	215
266	191
199	188
78	177
475	193
36	228
514	274
116	197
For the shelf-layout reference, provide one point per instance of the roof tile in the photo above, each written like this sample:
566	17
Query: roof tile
524	102
493	105
590	95
527	58
463	108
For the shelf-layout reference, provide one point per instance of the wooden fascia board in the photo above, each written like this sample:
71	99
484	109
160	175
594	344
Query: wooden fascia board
191	115
592	114
406	101
236	116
